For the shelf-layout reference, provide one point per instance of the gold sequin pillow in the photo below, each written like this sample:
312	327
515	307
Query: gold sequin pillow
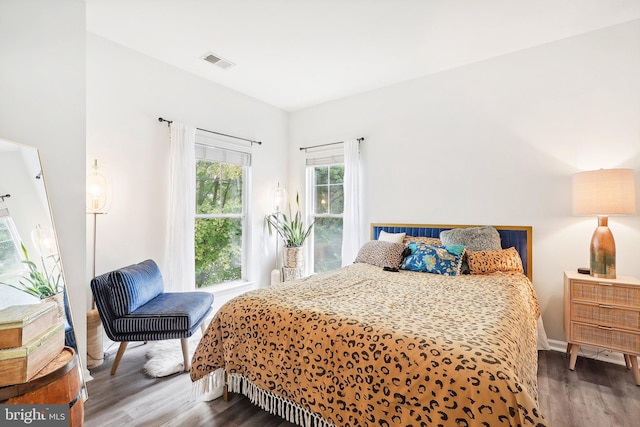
487	262
420	239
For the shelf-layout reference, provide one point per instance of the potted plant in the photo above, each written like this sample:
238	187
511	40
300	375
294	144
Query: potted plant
44	284
293	232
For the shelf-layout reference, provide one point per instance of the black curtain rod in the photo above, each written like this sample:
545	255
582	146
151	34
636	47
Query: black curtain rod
326	145
160	119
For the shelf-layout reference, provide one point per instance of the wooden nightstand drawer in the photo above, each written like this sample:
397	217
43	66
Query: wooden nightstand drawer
605	315
614	339
605	293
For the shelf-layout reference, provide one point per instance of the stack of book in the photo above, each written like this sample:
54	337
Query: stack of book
31	336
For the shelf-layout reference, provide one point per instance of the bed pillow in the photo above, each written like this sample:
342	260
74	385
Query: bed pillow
487	262
445	260
381	253
391	237
473	238
420	239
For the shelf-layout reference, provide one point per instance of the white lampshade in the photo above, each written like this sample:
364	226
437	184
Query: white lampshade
98	189
604	192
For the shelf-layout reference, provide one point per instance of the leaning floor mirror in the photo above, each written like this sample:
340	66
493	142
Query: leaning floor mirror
34	305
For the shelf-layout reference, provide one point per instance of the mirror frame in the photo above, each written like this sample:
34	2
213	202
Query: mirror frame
41	192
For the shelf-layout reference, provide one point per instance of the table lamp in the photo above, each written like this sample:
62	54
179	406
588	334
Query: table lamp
604	192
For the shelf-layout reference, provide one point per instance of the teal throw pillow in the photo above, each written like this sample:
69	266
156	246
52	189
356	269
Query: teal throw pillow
445	260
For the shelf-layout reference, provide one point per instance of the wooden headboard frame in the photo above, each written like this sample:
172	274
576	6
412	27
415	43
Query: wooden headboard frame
519	237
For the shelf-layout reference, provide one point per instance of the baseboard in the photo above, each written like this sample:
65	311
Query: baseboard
590	352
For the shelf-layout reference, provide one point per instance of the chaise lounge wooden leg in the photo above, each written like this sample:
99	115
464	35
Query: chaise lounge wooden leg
119	354
185	353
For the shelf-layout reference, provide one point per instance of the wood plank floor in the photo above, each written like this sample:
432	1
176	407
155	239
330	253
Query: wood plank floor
596	394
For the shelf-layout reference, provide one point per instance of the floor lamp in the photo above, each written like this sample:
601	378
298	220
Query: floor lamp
98	198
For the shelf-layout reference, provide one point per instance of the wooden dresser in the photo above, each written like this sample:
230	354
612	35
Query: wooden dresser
603	313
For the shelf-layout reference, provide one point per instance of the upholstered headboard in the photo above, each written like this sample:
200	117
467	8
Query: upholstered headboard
519	237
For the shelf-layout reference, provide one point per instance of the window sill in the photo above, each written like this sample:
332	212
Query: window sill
234	287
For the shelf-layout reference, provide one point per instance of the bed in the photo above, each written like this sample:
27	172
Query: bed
363	346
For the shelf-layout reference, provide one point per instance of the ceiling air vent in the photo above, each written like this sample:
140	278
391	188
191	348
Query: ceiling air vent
218	61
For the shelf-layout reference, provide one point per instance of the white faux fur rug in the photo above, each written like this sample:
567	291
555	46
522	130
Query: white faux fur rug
165	357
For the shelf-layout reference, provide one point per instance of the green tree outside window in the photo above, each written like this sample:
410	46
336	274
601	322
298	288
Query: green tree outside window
328	196
218	225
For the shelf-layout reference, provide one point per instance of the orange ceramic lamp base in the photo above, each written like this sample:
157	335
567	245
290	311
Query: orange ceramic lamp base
603	251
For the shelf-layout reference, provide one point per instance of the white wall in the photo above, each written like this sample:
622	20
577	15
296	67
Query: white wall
496	142
126	93
42	104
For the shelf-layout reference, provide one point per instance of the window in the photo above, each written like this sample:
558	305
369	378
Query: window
221	215
328	206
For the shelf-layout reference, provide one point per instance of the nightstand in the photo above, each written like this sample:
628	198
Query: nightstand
603	313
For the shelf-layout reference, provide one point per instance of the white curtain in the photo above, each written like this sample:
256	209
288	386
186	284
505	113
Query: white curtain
351	216
180	247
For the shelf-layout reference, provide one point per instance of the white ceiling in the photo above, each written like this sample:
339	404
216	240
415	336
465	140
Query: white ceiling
298	53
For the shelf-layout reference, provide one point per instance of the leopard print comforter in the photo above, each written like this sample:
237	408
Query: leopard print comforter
364	347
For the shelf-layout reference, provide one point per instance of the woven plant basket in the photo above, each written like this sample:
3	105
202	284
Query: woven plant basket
95	352
293	257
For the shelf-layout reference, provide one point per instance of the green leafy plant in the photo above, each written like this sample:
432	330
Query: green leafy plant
290	227
41	284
